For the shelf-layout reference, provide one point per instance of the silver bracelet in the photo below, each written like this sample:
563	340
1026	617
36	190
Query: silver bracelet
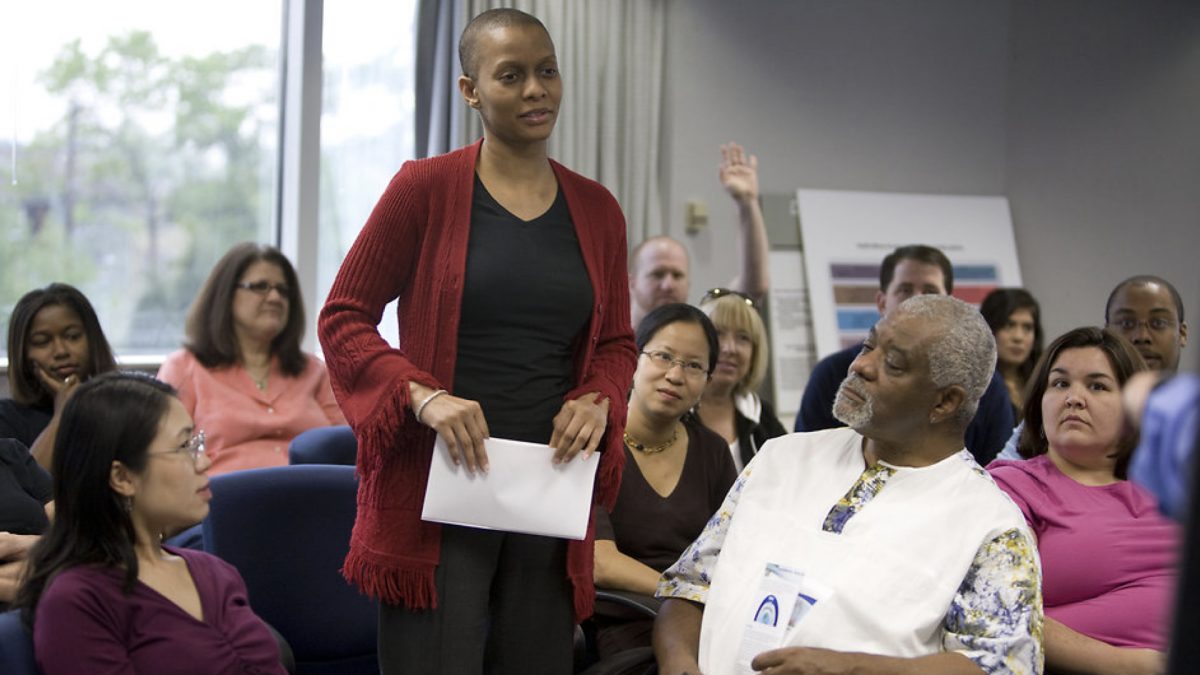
424	403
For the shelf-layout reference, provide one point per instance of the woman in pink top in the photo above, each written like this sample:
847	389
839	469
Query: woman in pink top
241	374
1108	556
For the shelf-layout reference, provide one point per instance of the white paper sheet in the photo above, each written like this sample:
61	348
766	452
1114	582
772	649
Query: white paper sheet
523	491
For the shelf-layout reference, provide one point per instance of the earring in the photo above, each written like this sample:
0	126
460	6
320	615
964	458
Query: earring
128	504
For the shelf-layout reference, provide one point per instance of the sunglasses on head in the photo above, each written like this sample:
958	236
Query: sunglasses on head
714	293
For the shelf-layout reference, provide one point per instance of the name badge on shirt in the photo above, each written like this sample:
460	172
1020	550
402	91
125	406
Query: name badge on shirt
784	597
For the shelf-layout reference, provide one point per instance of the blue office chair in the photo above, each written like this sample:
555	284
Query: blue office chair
324	445
16	646
287	530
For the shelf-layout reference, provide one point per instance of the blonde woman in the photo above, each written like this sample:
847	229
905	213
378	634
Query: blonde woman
730	405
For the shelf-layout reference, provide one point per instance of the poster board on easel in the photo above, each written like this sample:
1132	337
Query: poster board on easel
793	352
846	235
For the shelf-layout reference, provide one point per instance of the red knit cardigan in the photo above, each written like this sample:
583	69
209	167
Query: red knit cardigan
414	247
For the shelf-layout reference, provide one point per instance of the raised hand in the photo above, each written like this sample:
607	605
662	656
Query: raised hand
739	172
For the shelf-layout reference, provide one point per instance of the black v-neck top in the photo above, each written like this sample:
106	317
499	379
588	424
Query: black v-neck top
526	300
654	529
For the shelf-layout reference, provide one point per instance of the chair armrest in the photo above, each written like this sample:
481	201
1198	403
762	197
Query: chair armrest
644	605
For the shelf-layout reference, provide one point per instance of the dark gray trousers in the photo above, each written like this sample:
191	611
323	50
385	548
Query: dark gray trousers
504	606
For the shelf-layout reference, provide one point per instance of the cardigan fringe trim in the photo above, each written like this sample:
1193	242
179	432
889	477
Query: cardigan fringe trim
584	596
414	589
378	433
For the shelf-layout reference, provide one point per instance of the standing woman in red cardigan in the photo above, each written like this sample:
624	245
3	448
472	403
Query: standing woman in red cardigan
514	322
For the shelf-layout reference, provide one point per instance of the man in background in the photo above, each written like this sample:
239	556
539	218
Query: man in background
659	268
907	272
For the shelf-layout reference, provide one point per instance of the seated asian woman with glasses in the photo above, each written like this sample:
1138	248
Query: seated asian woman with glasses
676	473
241	374
730	405
102	594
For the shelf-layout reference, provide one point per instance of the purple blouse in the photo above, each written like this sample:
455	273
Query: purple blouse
1108	555
86	624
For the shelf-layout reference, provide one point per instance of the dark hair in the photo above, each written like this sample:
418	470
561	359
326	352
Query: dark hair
501	17
1142	280
111	418
678	312
210	333
921	253
996	309
26	388
1122	357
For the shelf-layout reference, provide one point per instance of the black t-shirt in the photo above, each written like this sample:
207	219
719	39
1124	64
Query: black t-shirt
526	300
655	530
23	422
25	487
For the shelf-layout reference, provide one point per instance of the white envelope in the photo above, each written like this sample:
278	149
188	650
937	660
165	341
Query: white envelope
523	491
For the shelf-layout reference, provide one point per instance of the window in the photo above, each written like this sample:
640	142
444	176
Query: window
367	128
139	143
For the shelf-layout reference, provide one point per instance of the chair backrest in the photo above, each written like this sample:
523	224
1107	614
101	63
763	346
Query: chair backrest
287	530
16	646
324	445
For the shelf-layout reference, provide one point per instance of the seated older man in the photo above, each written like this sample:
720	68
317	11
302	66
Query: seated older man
882	547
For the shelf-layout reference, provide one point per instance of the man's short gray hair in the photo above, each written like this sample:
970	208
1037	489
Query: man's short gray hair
963	352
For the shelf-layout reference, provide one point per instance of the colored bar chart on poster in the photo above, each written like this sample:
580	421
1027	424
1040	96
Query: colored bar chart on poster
847	234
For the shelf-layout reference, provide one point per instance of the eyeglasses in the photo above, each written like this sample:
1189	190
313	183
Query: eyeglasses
714	293
1155	324
665	361
263	288
193	447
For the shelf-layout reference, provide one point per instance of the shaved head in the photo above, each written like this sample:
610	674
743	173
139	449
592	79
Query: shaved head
503	17
658	274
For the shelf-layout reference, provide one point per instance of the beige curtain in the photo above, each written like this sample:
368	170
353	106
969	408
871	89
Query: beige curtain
610	53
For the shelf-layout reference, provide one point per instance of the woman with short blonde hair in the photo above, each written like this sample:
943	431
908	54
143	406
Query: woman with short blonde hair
730	406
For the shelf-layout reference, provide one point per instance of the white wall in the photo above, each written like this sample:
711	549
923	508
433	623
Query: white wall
1104	151
854	94
1084	112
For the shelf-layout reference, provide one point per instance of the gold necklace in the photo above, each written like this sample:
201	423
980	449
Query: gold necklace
261	383
653	450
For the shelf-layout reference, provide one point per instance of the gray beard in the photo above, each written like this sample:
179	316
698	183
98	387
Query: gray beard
855	417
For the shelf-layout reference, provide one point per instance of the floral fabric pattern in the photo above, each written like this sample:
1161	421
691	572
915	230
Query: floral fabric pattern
864	490
998	606
691	576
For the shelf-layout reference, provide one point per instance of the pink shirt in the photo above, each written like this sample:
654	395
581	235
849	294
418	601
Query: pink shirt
1108	555
246	428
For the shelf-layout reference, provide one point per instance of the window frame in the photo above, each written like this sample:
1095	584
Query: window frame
295	214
